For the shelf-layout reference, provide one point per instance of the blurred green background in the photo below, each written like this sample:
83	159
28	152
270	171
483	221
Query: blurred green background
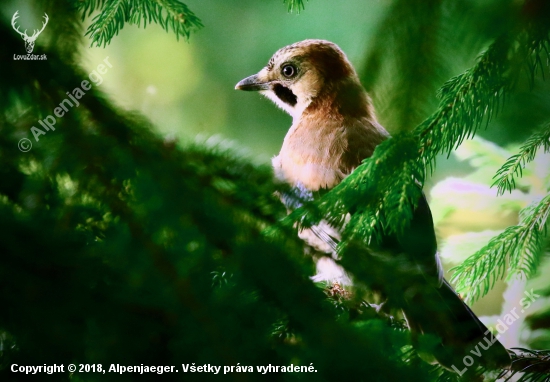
187	88
403	55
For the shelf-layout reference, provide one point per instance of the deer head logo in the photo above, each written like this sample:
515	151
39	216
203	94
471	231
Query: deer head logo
29	40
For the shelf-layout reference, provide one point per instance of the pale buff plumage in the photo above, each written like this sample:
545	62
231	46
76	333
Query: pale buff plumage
334	127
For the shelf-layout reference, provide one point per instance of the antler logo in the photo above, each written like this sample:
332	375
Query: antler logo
29	40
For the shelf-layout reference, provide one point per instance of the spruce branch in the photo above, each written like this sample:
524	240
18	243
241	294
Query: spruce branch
295	5
521	246
365	223
400	206
378	208
171	15
466	101
108	23
505	176
473	98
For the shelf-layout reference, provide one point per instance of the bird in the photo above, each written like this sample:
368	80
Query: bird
334	128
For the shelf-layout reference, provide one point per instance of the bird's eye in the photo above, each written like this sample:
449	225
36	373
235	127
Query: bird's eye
289	71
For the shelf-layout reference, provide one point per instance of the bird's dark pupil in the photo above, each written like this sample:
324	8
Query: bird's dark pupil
288	71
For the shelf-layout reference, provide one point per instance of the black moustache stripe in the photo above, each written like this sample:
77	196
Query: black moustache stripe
285	94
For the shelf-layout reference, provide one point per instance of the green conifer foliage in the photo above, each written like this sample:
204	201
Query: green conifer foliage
120	247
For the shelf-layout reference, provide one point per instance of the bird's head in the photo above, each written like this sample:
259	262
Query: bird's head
300	73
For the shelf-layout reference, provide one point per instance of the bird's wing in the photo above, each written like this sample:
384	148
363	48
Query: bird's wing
418	241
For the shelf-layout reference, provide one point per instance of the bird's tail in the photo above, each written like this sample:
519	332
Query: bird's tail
465	340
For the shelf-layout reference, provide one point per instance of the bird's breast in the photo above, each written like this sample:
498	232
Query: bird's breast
320	150
311	157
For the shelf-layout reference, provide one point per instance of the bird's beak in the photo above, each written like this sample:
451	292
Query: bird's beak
252	83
